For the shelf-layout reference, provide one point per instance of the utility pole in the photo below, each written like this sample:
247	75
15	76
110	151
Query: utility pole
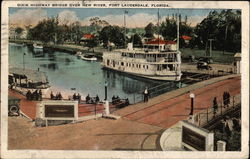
125	12
23	61
178	28
210	49
158	29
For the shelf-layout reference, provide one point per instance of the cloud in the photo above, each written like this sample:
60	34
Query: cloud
67	17
24	17
136	20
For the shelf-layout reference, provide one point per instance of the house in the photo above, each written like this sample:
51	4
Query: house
160	44
87	38
186	38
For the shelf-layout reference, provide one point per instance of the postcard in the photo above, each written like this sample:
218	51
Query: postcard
125	79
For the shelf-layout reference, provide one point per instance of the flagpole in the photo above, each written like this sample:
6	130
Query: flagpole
158	30
125	28
178	28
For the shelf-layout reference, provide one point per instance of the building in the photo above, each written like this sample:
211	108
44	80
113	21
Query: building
160	44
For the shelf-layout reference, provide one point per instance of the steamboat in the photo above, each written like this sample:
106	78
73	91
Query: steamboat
158	59
149	62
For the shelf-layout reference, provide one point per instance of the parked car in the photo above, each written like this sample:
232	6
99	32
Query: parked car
13	106
203	65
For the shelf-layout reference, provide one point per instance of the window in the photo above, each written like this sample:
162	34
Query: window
122	63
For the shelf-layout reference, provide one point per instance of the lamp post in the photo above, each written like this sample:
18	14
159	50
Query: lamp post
23	61
106	90
192	96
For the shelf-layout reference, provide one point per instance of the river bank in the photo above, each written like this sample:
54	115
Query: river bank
69	48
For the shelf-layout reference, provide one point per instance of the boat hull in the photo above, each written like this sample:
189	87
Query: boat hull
152	77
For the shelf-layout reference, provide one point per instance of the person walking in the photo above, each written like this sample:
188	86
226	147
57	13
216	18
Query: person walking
215	105
146	94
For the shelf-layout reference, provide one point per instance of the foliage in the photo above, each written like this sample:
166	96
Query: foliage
168	29
19	30
149	30
112	34
136	40
223	27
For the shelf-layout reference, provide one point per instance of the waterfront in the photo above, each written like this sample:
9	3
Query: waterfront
69	74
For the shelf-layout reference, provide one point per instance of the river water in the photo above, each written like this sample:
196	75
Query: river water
69	74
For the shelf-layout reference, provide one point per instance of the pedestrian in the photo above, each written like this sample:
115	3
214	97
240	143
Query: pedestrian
224	99
59	96
40	95
97	99
79	98
215	105
28	95
146	94
52	95
87	99
74	96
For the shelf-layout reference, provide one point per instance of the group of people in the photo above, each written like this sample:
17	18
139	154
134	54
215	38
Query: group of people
36	95
77	97
92	100
58	96
226	99
116	99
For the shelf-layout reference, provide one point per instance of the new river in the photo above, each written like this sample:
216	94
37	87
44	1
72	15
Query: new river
69	74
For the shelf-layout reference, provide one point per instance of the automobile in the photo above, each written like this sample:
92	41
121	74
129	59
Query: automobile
205	59
13	106
203	65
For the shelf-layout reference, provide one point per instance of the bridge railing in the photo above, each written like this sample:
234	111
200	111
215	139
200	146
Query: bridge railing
207	115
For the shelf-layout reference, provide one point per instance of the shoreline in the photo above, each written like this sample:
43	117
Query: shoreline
68	48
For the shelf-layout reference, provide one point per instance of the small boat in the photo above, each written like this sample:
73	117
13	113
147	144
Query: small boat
37	46
88	57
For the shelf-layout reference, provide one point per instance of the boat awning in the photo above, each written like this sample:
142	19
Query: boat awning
33	76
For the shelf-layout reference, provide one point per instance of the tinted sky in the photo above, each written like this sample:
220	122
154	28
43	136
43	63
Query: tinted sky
136	17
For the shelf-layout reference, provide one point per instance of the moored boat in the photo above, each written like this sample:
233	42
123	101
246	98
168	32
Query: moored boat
37	46
88	57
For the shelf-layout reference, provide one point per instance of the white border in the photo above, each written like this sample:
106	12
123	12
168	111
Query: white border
131	154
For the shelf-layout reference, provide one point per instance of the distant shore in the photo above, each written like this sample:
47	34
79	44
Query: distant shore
70	48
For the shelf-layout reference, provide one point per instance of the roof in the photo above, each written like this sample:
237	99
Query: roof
33	75
88	36
159	41
185	37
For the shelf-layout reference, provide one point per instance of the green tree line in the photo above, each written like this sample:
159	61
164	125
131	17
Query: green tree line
223	27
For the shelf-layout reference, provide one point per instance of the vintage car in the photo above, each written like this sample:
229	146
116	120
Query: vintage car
203	65
13	106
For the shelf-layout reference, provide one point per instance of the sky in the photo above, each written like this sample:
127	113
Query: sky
136	17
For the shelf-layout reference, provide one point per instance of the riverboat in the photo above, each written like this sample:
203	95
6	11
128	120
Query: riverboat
153	63
88	57
37	46
158	59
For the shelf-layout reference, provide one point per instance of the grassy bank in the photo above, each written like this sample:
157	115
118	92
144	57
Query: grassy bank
218	56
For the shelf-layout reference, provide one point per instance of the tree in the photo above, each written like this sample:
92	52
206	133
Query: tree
46	30
76	32
19	31
224	27
136	40
149	30
112	34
